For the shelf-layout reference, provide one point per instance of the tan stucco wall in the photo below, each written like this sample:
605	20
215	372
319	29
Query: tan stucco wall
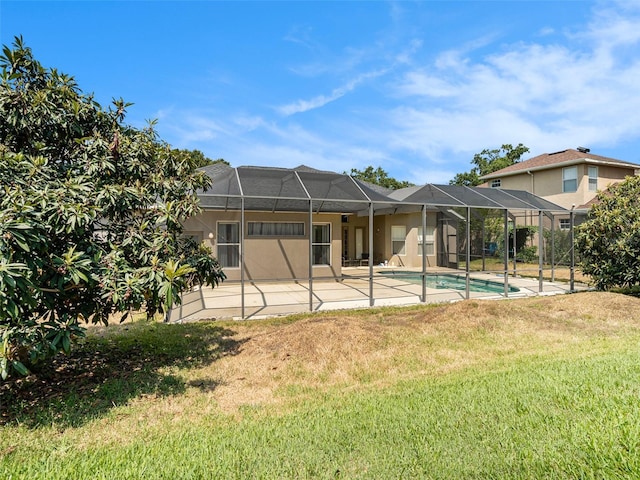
548	183
273	258
412	257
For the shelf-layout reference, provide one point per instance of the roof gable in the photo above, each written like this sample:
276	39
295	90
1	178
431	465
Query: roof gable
557	159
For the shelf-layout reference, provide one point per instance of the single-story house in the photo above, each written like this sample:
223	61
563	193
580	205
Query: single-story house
280	223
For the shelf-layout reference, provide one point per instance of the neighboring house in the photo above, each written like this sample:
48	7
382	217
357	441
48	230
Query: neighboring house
569	178
266	223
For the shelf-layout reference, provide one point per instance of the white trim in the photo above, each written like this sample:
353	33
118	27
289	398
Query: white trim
329	243
590	178
566	169
404	240
239	243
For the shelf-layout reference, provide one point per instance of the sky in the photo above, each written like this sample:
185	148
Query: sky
416	88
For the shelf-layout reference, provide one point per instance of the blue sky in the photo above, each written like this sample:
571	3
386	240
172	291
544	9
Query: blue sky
414	87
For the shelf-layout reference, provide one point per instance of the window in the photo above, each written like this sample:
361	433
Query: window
321	244
569	179
565	224
229	244
429	240
398	239
496	183
275	229
195	236
593	178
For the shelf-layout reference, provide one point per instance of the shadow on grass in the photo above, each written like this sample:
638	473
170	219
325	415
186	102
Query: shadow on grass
109	368
633	291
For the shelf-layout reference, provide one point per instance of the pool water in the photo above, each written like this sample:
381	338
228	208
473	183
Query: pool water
451	281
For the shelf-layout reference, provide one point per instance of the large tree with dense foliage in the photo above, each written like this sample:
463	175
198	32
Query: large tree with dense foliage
378	176
608	242
90	214
197	158
489	161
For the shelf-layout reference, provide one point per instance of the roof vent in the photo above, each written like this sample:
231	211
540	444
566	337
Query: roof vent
584	149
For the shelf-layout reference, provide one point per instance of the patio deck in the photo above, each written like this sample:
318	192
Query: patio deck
270	298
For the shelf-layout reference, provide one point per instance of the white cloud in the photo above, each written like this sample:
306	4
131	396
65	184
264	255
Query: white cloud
547	96
321	100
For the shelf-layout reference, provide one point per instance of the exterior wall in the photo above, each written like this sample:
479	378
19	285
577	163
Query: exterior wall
608	175
516	182
270	257
548	183
412	256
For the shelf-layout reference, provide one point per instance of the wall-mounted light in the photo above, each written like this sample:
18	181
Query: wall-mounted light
211	235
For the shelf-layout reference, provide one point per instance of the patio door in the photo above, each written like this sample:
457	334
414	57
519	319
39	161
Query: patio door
359	242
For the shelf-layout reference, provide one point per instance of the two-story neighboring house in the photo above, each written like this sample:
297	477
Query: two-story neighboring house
569	178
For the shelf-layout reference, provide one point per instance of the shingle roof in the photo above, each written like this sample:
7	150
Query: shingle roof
563	157
216	169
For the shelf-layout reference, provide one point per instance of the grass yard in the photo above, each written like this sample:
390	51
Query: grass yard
544	387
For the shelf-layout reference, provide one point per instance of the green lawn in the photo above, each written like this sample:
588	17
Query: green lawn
546	413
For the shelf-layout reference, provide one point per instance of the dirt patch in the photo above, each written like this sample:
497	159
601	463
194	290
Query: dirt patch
354	350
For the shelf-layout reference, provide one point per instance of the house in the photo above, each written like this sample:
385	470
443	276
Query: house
268	223
569	178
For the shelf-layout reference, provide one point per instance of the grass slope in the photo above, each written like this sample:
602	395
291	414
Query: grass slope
532	388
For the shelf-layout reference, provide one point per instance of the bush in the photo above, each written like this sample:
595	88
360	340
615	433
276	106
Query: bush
608	242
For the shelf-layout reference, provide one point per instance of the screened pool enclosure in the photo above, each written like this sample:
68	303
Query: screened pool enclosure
301	239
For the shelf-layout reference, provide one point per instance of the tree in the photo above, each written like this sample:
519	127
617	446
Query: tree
489	161
90	214
378	177
198	159
608	242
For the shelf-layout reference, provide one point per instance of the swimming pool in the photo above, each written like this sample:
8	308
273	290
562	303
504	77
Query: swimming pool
451	281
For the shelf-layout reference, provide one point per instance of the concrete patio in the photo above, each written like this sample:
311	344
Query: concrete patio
272	298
